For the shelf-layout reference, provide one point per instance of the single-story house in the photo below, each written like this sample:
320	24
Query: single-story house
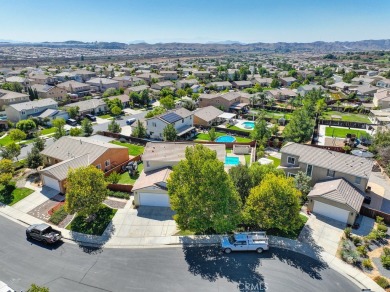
74	87
242	84
126	81
207	116
125	99
102	84
89	106
169	75
162	84
287	81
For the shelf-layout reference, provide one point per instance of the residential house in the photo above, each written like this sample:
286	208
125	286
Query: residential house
74	87
90	106
24	82
304	89
73	152
385	83
125	99
149	77
382	98
22	111
280	94
363	91
201	74
150	189
242	84
137	89
231	73
380	117
180	118
10	97
84	75
363	80
181	84
48	91
207	116
66	76
127	81
347	173
169	75
220	85
48	115
102	84
229	101
163	84
287	81
42	79
265	82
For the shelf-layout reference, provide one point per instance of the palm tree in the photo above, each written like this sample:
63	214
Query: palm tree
252	100
262	98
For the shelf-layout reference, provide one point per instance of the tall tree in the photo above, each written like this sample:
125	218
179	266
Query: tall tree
202	194
73	112
114	127
260	132
27	126
167	102
34	158
39	143
59	123
17	135
242	180
300	128
170	133
274	204
86	190
302	183
116	111
274	83
258	172
6	171
87	127
10	151
212	134
139	131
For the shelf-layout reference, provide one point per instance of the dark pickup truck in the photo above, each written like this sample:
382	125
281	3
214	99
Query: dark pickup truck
44	233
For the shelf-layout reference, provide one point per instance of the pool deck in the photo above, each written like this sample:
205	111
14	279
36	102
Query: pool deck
240	157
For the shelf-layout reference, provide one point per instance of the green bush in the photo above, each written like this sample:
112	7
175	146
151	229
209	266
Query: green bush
382	228
121	195
348	232
379	219
113	178
385	258
58	216
382	281
362	250
367	264
350	256
357	240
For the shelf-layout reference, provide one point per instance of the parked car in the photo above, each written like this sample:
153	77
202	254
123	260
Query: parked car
131	121
43	233
245	241
90	117
71	122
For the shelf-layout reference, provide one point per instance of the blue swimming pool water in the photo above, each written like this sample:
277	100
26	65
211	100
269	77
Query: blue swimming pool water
232	160
249	125
227	139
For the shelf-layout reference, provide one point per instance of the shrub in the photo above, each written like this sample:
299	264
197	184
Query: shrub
382	228
350	256
348	232
113	178
379	219
121	195
367	264
362	250
385	258
382	281
357	240
58	216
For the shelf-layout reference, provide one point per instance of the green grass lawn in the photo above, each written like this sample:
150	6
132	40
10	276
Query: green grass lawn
107	117
229	150
95	227
247	159
276	160
10	195
276	114
134	150
239	129
206	137
127	180
5	141
48	131
347	117
342	132
292	234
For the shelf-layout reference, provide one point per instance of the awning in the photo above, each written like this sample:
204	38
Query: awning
238	106
184	130
227	116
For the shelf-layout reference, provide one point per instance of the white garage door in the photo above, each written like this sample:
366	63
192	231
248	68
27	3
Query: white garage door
51	183
151	199
331	211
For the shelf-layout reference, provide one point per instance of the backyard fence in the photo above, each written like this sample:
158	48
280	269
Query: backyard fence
372	213
127	138
118	168
228	144
343	124
120	188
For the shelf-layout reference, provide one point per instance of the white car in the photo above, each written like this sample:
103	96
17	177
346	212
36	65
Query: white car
246	241
5	288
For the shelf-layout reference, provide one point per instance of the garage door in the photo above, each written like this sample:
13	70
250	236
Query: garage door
51	183
151	199
330	211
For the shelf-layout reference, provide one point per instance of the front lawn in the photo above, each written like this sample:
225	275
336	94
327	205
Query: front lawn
206	137
10	195
126	179
48	131
107	117
292	234
347	117
134	150
5	140
342	132
96	226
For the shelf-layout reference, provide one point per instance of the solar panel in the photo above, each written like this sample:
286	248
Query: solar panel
171	118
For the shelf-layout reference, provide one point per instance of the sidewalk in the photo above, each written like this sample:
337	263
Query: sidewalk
111	241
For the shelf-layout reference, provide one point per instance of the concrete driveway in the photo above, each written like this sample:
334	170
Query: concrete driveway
322	233
144	222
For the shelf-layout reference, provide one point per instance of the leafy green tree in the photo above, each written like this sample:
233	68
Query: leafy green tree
113	178
145	99
167	102
110	92
302	183
212	134
321	106
170	133
275	83
12	86
258	172
189	105
347	78
135	98
39	143
202	193
158	110
111	103
36	288
73	112
59	123
10	151
274	204
166	92
300	127
114	127
6	171
27	126
241	180
33	94
260	132
86	190
139	131
34	158
116	111
87	127
75	132
17	135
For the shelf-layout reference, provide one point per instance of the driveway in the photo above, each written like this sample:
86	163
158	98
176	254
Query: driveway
126	130
323	233
144	222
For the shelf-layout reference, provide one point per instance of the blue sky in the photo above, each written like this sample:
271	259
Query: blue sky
195	20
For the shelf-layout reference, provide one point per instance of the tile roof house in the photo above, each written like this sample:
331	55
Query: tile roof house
221	85
229	101
242	84
207	116
382	98
48	91
75	87
72	152
89	106
23	81
102	84
8	97
22	111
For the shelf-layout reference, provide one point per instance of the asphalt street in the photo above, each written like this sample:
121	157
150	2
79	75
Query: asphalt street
69	267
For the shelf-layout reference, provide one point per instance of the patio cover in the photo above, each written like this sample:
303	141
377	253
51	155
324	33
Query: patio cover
227	116
238	106
184	130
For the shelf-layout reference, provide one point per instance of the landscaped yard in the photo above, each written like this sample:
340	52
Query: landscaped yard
293	234
5	141
127	180
96	226
48	131
276	160
107	117
206	137
134	150
239	129
342	132
10	195
247	159
347	117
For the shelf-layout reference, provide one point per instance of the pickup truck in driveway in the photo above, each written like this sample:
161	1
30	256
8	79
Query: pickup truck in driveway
44	233
245	241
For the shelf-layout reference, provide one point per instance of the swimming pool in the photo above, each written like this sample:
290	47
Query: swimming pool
232	160
226	139
248	125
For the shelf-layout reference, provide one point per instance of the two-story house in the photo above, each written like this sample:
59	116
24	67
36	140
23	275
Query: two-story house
22	111
102	84
385	83
90	106
382	98
229	101
182	119
48	91
169	75
74	87
10	97
339	180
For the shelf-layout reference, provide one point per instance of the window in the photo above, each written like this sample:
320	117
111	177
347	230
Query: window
309	170
290	160
107	163
330	173
358	180
151	133
240	243
289	174
98	166
154	124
